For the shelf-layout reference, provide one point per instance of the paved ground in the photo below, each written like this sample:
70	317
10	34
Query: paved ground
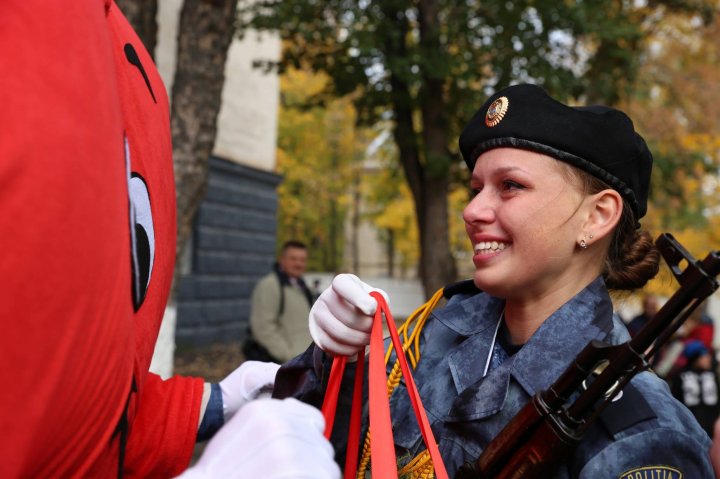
212	362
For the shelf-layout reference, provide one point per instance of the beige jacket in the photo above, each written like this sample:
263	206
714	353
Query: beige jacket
285	335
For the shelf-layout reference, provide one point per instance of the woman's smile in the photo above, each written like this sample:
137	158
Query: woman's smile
487	247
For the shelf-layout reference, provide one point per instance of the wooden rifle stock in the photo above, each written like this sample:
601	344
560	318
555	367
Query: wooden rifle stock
548	428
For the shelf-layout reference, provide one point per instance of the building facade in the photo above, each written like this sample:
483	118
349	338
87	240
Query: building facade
233	242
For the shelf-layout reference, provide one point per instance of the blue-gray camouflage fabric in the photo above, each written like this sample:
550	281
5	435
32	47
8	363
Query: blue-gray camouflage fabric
645	433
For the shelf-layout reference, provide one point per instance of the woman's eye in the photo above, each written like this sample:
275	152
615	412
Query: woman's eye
508	185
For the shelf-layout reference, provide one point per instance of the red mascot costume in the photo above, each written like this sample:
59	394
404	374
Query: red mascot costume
88	239
87	228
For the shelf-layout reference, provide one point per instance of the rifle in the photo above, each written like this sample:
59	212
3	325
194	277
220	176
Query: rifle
549	427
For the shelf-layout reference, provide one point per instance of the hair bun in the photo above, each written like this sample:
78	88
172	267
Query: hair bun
635	262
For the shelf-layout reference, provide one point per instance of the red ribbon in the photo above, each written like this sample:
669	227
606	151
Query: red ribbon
382	448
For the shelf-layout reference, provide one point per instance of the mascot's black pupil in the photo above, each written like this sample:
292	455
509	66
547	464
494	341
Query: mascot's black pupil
143	238
142	274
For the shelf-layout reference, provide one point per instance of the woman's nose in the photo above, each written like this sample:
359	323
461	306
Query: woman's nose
479	209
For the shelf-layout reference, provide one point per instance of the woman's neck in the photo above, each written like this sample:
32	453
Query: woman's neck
523	316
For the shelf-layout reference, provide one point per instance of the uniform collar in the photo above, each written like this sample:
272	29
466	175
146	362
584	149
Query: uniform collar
587	316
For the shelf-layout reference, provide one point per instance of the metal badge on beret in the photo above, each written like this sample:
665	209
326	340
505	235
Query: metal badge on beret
496	111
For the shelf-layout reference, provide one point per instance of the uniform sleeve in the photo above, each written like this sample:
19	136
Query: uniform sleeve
264	320
162	436
660	452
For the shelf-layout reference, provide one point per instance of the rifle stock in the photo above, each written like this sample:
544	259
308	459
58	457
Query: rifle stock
548	428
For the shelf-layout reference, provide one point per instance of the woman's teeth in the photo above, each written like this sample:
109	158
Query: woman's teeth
489	246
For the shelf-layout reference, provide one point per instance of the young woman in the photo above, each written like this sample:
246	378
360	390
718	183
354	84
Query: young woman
558	192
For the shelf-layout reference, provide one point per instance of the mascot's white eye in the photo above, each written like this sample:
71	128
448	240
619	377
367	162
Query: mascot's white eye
142	233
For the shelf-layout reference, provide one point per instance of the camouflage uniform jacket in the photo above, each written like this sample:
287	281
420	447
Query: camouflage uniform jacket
644	434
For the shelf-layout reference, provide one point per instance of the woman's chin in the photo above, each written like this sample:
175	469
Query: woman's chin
486	284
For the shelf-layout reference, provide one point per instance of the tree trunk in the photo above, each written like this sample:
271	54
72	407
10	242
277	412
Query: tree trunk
142	15
430	192
205	32
438	264
390	247
428	182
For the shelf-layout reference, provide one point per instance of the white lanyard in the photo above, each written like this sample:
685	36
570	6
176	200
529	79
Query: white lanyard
492	344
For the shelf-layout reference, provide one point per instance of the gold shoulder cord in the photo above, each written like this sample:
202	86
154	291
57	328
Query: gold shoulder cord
421	466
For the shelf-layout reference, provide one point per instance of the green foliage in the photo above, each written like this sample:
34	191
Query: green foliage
677	193
428	65
389	203
477	45
676	109
318	151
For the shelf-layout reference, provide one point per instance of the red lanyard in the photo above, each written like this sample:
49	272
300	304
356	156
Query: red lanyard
383	463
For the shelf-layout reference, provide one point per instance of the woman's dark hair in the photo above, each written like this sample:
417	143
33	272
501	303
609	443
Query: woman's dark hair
632	259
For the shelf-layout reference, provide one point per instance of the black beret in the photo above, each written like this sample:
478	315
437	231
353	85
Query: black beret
597	139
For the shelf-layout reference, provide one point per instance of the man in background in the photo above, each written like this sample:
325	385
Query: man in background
279	309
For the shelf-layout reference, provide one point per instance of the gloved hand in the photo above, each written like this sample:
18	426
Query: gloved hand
251	380
272	439
341	318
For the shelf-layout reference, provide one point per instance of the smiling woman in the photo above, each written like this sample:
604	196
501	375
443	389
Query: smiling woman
521	196
558	192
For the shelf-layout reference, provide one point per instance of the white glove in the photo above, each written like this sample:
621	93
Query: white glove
251	380
341	318
272	439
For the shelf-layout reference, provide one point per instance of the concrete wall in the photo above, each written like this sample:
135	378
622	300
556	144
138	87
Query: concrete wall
247	122
247	132
233	245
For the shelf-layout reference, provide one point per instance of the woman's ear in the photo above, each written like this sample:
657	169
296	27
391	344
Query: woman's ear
605	210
